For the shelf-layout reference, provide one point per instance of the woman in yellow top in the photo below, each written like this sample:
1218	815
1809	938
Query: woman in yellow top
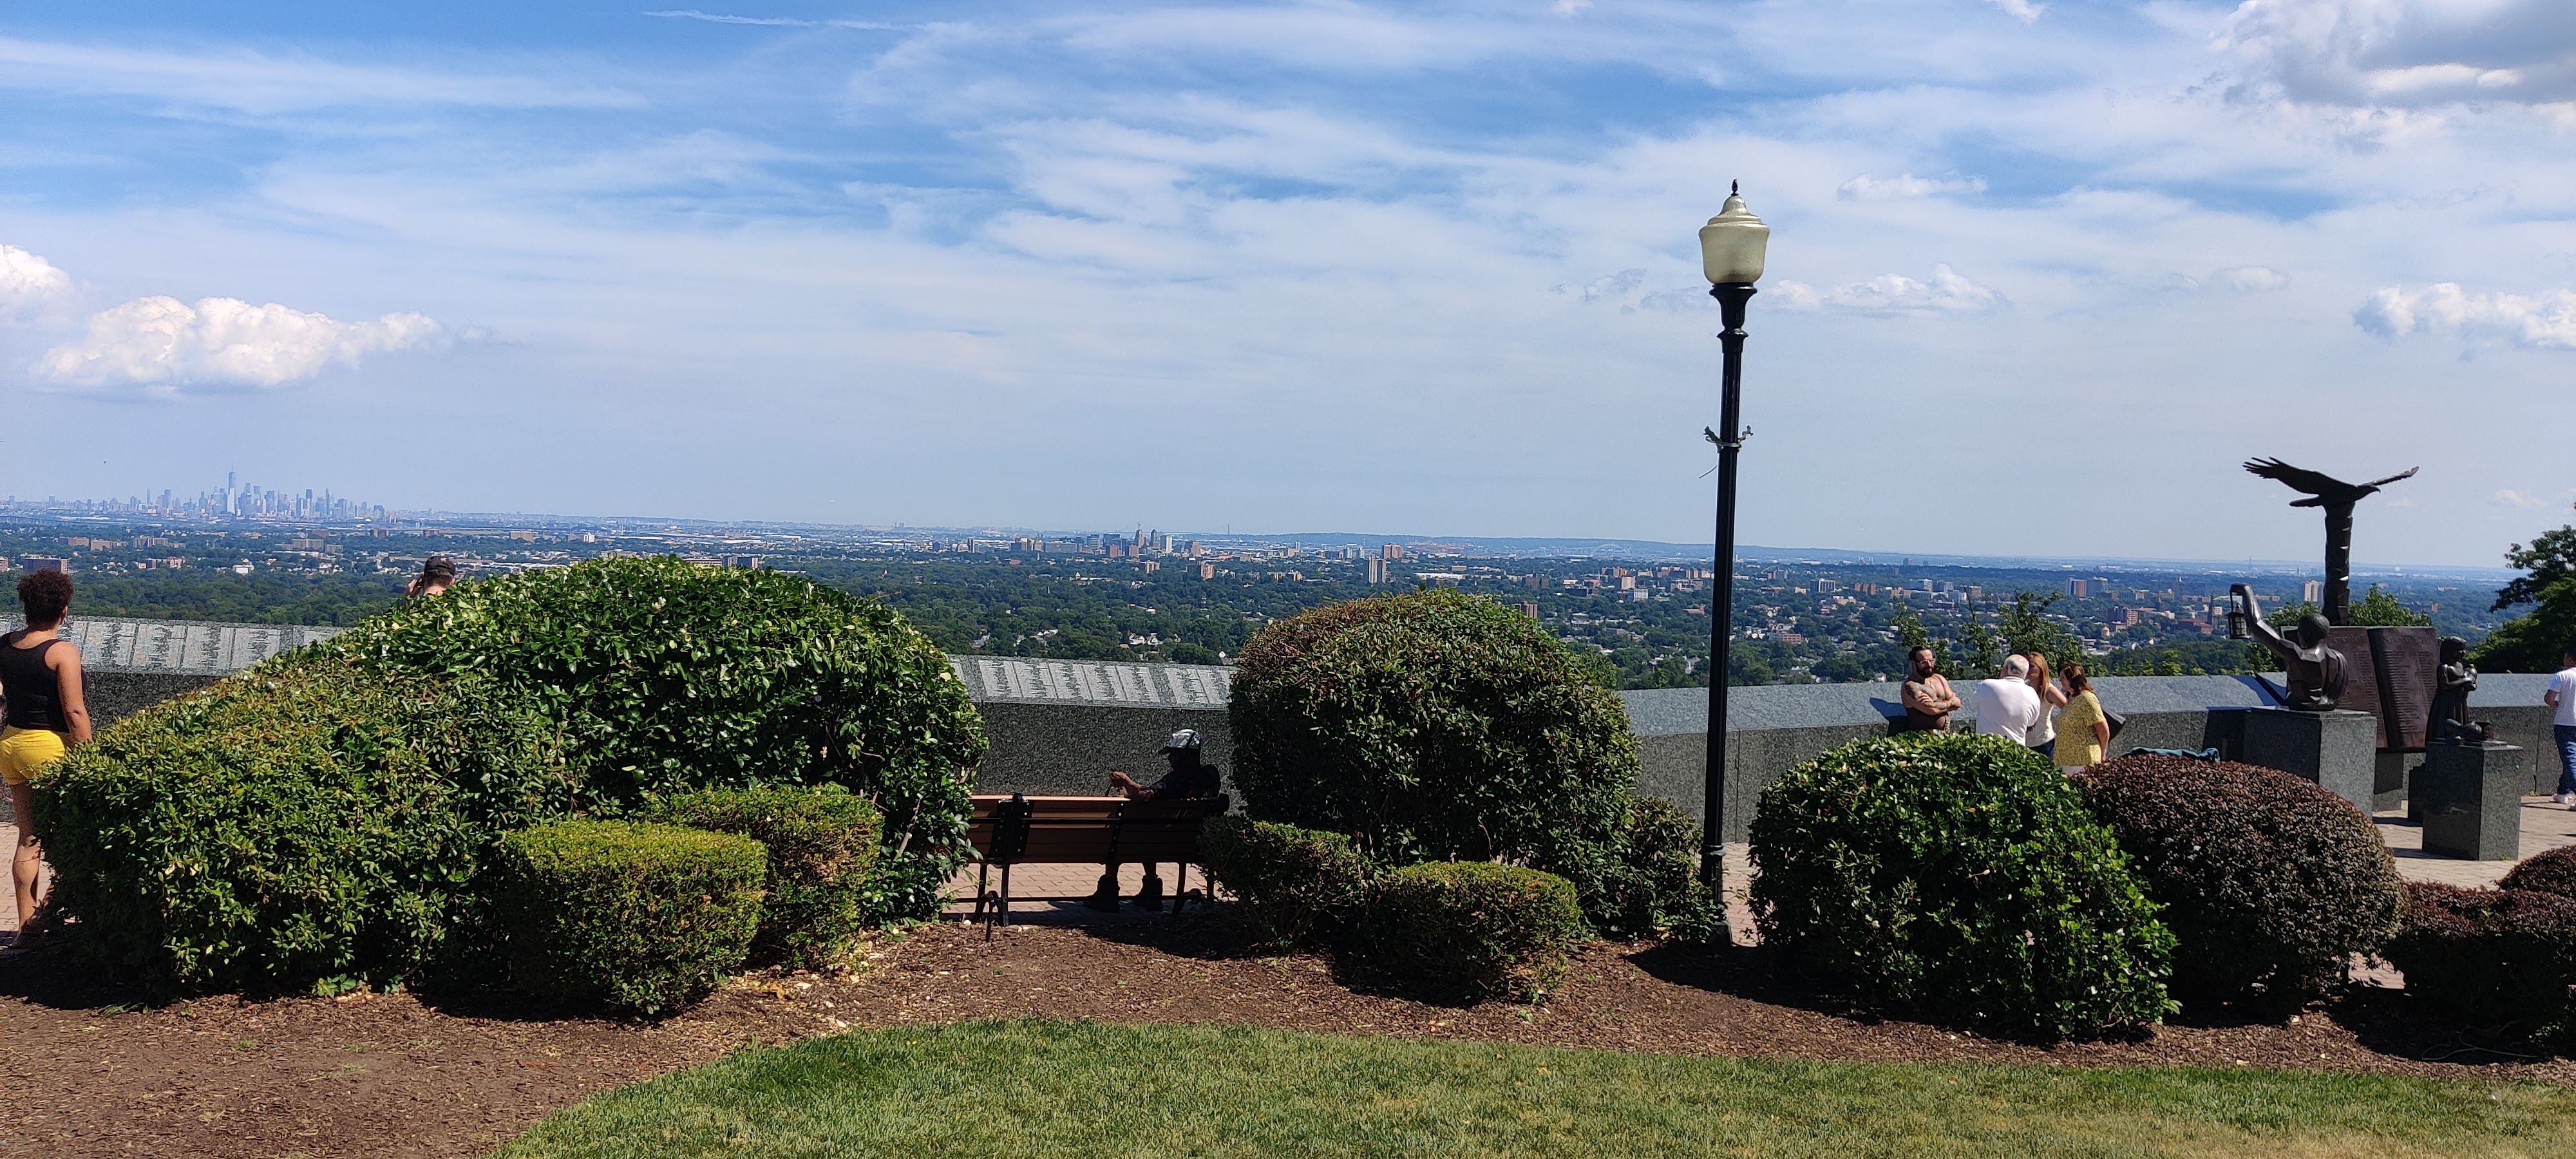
46	716
2083	733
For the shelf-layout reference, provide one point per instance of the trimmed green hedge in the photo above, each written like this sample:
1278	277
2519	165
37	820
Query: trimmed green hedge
2268	882
1291	886
822	847
302	822
664	676
638	916
1961	878
1466	930
1436	726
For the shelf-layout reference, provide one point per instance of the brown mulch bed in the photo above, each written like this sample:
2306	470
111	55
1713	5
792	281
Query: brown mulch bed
387	1075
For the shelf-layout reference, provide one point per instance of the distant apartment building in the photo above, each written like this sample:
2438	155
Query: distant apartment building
746	562
1530	610
1377	568
1207	571
45	563
1152	566
2313	591
1391	551
2079	588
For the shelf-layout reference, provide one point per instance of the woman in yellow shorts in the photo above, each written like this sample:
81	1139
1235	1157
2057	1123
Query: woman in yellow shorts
45	717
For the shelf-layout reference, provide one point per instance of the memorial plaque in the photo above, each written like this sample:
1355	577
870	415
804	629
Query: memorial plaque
2360	675
160	646
2409	662
2390	673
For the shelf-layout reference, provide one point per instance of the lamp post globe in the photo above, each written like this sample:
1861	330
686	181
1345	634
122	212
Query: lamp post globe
1731	249
1732	244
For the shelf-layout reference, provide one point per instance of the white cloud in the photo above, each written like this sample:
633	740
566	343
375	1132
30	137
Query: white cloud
160	343
2546	320
1897	294
2251	279
1569	7
27	278
1867	187
259	83
2518	499
2021	10
776	21
1616	285
2406	53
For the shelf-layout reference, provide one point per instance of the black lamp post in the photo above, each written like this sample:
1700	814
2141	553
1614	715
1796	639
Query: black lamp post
1731	247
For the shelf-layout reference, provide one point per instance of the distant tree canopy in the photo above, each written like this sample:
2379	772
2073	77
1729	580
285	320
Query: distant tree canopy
2533	641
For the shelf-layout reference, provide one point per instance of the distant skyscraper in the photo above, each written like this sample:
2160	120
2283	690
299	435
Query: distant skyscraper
1377	568
1391	551
2077	588
2313	591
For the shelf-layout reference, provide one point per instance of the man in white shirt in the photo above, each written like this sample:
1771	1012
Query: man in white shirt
2561	698
2006	706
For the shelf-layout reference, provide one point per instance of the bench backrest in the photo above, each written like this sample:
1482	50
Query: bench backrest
1089	830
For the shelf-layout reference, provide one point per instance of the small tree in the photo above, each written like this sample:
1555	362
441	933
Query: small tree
2531	642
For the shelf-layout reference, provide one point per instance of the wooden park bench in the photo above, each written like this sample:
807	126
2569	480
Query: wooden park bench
1106	831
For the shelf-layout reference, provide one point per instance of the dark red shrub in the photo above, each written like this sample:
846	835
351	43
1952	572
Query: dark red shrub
2551	872
2269	883
2490	957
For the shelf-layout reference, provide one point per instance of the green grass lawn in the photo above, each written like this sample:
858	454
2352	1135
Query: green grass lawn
1050	1088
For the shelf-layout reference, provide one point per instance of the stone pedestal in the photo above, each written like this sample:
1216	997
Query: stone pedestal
2339	750
2469	797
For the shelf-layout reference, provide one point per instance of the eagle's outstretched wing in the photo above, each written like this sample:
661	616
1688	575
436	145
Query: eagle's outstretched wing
2312	482
2408	473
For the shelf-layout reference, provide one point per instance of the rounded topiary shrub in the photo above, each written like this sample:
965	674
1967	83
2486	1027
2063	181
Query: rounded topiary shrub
2553	871
2491	957
1467	930
638	916
1435	726
664	675
2269	883
1650	885
1289	886
1960	878
822	847
301	822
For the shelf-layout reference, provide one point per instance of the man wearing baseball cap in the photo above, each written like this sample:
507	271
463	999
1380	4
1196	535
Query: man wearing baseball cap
1189	778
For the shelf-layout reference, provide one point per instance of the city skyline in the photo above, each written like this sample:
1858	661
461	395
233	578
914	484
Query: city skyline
1277	264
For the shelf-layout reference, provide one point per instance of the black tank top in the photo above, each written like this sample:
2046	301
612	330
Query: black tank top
34	691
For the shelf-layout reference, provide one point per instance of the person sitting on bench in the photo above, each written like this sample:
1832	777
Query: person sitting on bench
1189	778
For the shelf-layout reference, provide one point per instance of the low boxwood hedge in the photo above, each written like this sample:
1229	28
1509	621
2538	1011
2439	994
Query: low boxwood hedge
1960	878
637	916
822	846
1466	930
302	822
2492	957
2269	883
1289	886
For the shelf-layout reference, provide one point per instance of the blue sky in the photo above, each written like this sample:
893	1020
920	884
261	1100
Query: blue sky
2041	275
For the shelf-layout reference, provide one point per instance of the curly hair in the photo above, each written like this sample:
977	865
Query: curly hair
45	595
